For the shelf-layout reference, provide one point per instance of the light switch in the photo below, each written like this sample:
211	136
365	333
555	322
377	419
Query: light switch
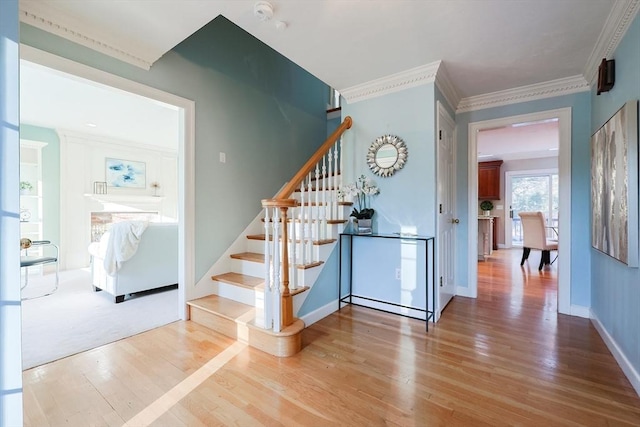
223	157
499	207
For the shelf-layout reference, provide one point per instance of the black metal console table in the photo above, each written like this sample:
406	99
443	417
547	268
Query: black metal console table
429	253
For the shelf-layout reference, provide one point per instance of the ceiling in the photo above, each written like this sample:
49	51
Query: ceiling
519	141
485	45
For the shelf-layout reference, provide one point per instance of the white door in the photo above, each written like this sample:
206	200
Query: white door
445	278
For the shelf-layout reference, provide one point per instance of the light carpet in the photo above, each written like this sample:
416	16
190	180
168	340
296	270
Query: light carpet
76	319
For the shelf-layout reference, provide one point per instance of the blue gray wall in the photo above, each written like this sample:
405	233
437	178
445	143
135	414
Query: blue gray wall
616	287
10	316
267	114
50	178
407	199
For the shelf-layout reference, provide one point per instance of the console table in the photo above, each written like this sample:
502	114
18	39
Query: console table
429	271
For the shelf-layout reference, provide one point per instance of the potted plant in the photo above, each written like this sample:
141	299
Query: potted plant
362	191
25	187
486	206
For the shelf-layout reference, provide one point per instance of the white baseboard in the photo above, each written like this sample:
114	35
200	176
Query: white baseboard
580	311
632	375
463	291
320	313
503	246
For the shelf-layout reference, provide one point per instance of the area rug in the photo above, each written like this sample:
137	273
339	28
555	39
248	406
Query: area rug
76	319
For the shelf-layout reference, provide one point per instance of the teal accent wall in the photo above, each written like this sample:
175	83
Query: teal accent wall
616	287
267	114
407	199
10	305
50	177
580	189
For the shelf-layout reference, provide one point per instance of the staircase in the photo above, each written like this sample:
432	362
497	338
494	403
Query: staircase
268	272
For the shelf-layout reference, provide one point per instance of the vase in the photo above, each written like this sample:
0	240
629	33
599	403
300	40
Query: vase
487	213
364	226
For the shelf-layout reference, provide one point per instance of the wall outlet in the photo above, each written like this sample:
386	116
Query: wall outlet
223	157
398	274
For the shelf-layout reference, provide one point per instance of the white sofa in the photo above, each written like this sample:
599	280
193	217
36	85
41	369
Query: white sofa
154	265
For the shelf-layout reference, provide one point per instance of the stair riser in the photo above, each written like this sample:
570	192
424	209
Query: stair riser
212	321
236	293
250	268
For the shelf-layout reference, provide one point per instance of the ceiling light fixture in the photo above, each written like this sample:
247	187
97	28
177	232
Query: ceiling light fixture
263	10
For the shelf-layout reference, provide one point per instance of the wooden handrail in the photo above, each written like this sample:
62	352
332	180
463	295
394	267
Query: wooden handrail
294	183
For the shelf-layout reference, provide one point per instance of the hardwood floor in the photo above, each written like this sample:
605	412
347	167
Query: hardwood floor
505	358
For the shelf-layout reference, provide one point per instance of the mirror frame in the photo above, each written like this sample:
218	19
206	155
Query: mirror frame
380	142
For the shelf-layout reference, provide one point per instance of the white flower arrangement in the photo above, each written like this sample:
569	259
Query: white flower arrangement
361	192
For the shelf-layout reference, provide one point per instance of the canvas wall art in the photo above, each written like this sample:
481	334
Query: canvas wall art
614	186
125	173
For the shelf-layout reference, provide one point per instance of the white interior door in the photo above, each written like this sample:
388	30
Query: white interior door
446	209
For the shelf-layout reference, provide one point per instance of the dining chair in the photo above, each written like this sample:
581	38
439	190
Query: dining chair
535	237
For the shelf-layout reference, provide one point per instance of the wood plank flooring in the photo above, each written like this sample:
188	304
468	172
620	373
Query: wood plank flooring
505	358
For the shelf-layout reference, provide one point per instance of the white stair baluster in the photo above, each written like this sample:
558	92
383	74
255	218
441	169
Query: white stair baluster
335	181
341	172
317	210
293	265
276	300
332	195
303	258
323	225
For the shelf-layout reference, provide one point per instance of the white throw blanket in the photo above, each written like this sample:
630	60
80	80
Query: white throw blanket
120	243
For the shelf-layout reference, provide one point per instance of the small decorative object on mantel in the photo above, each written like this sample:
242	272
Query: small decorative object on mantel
362	191
387	154
100	187
486	206
156	186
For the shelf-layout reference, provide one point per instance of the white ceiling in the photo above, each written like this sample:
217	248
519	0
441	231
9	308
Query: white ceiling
486	45
57	100
519	141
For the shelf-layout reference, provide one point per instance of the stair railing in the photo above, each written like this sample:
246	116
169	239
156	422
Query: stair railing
305	221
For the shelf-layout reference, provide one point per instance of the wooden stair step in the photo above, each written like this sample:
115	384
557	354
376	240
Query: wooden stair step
237	279
315	242
237	321
249	256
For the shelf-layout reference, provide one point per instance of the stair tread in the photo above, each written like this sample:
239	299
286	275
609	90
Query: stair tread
222	306
249	256
243	280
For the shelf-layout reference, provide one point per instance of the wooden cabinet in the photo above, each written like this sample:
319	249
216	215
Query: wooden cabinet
489	180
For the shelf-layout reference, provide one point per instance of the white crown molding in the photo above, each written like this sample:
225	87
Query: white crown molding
553	88
45	19
393	83
446	86
621	16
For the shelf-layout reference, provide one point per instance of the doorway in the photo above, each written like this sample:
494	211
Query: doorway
563	116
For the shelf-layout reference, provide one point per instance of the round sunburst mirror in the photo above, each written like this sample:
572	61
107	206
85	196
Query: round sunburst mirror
387	154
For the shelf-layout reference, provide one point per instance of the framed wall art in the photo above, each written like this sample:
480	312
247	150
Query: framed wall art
125	173
614	186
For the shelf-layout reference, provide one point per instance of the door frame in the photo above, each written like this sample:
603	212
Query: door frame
443	114
186	154
507	195
564	176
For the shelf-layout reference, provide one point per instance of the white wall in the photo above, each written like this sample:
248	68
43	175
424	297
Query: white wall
82	159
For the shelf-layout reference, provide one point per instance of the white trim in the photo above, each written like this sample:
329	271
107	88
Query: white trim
320	313
580	311
466	291
564	177
447	87
186	153
632	374
42	17
620	18
413	77
550	89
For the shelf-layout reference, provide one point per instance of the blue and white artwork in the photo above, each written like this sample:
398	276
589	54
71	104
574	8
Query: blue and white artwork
125	173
